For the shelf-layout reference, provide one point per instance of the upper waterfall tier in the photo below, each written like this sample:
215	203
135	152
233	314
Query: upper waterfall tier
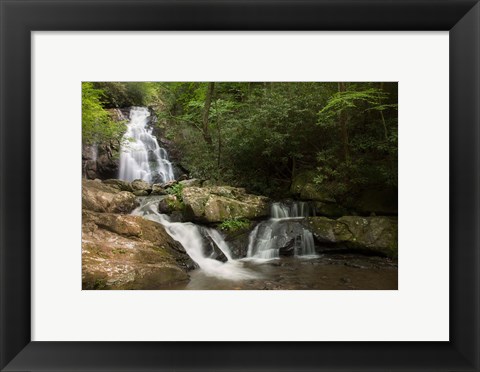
141	157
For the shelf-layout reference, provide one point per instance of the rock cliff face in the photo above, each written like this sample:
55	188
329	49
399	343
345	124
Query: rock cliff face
101	160
122	251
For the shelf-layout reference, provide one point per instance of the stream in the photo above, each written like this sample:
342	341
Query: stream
281	253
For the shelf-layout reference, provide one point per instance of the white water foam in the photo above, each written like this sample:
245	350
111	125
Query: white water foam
141	157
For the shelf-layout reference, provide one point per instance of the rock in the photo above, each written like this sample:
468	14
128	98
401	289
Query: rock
119	184
219	203
329	209
183	177
303	187
141	188
157	189
169	184
238	240
90	169
141	193
107	164
170	204
378	235
89	161
194	182
211	250
130	252
209	183
288	249
99	197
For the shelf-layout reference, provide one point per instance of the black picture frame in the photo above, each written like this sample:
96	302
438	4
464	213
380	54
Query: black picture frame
18	18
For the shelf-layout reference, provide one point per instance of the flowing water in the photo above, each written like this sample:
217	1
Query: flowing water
283	231
192	238
281	251
141	157
302	271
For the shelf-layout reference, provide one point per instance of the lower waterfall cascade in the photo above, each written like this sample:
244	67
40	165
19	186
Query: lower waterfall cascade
282	230
189	235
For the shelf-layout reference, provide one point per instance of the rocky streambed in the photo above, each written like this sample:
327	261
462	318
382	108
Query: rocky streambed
137	235
326	272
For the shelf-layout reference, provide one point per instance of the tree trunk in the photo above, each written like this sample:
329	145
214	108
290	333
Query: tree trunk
342	118
206	111
219	134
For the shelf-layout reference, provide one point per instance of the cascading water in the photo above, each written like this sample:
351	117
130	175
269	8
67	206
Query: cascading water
191	238
141	157
282	231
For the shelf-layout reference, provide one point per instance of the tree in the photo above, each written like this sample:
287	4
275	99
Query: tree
97	125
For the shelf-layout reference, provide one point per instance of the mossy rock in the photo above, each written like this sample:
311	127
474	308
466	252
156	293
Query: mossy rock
378	235
219	203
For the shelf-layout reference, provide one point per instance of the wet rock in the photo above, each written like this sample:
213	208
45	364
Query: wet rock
377	235
211	250
170	204
157	189
288	249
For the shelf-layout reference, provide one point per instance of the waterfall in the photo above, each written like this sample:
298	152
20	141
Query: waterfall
282	232
292	210
141	157
190	237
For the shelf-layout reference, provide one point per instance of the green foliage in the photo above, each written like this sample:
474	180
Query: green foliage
127	94
259	135
176	190
352	100
370	127
97	124
234	224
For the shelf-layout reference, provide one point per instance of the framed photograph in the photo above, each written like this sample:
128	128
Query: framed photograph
239	185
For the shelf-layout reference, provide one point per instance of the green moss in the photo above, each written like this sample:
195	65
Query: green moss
234	224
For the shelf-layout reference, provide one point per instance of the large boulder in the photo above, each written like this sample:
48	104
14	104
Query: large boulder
100	197
193	182
141	188
219	203
130	252
119	184
377	235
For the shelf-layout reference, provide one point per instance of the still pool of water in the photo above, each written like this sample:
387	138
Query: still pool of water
325	272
